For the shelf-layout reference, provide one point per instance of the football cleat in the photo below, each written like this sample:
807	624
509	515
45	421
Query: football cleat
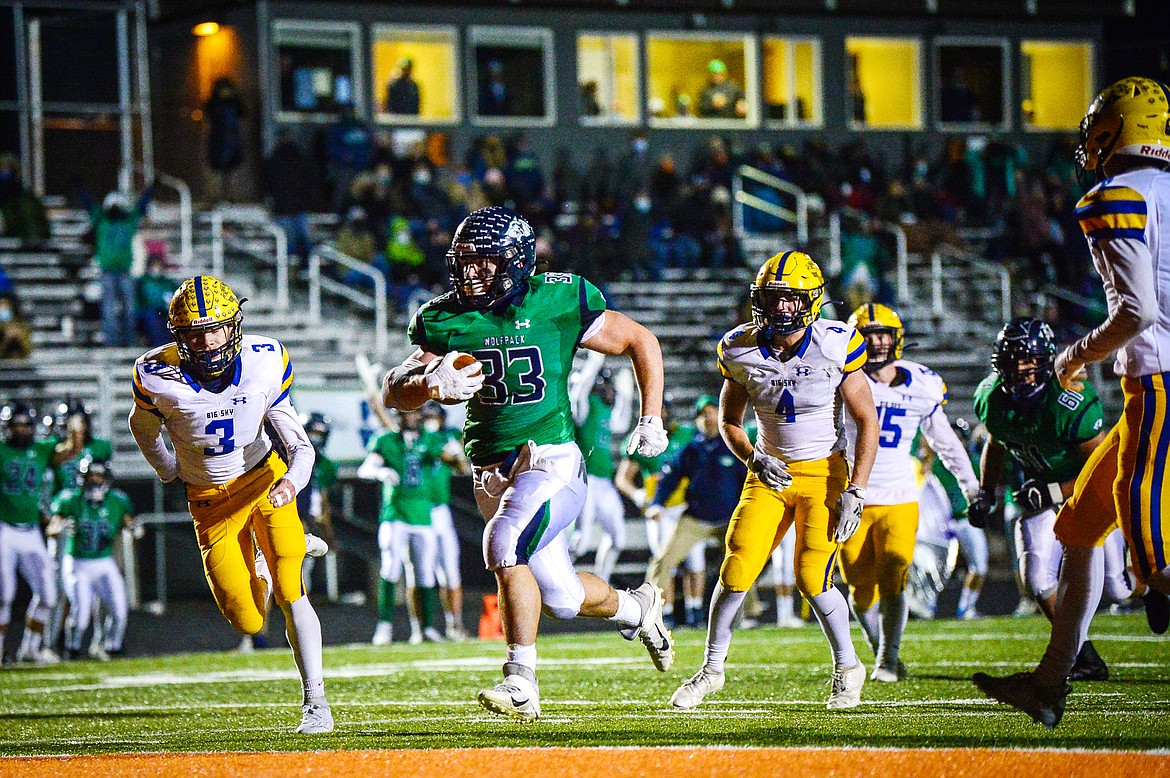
316	719
315	546
432	635
516	697
1089	665
651	630
701	684
846	686
1157	611
790	621
456	634
886	674
1043	703
383	634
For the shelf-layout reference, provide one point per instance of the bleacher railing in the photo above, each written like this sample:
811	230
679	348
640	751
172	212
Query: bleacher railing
901	250
186	209
975	266
741	199
220	239
319	283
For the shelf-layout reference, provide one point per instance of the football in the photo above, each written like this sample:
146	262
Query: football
461	360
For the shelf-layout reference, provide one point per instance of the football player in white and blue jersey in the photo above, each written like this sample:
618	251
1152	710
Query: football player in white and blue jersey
797	371
213	390
1125	142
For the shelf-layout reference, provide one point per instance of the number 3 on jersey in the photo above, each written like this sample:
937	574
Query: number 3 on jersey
225	429
496	363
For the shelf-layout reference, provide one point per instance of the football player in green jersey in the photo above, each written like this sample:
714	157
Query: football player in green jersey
523	330
90	516
92	448
1050	432
447	569
403	459
23	462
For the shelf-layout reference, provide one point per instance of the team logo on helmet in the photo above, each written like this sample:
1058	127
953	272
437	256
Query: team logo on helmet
873	318
787	294
200	304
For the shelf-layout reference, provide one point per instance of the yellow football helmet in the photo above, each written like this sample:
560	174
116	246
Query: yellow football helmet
206	303
788	274
875	317
1130	117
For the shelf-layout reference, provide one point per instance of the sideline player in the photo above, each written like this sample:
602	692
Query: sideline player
876	561
1125	140
593	412
523	330
453	462
213	390
797	371
95	512
1050	432
23	463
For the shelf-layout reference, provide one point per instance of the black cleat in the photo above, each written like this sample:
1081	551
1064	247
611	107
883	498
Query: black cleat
1044	704
1157	611
1089	665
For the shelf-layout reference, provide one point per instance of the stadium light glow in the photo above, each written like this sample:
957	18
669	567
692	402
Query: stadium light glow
204	29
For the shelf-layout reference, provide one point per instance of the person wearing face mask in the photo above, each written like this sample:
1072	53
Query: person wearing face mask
15	336
22	213
89	517
115	224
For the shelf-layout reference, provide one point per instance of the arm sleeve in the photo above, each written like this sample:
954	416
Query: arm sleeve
1131	273
284	420
854	352
937	429
147	430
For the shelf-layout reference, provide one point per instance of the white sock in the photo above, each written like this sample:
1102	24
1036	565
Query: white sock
32	639
693	603
871	625
832	612
894	612
784	609
522	655
967	599
725	605
1082	574
304	636
629	612
449	619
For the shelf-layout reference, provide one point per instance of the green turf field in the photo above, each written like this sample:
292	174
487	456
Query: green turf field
596	689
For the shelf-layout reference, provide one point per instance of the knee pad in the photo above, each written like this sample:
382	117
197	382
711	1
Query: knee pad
892	575
734	574
563	604
500	537
1037	581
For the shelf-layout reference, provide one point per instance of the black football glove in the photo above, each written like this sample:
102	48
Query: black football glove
1036	495
980	508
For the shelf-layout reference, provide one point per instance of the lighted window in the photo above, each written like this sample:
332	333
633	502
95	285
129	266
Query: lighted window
701	80
791	76
971	86
415	75
512	76
1056	83
608	76
883	83
317	64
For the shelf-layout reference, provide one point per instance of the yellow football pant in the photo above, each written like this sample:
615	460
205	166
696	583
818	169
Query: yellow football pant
225	518
763	516
1124	482
875	561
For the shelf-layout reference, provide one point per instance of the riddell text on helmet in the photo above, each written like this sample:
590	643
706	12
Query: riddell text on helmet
1155	151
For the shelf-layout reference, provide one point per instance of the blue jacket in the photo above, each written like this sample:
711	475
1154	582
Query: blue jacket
716	478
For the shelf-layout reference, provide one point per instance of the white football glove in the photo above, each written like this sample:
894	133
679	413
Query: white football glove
649	438
389	476
771	471
446	384
849	512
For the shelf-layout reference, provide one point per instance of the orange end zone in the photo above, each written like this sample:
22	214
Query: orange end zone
609	762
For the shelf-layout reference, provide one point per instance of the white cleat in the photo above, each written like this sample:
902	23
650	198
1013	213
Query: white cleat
316	719
691	693
887	674
432	635
383	634
314	546
457	634
415	639
517	697
846	683
790	621
651	630
45	656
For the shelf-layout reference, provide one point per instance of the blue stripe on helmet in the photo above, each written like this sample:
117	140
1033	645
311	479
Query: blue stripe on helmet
199	299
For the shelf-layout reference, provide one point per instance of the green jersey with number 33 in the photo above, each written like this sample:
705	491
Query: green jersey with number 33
526	346
1043	437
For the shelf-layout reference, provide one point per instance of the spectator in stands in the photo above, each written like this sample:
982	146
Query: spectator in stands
283	182
495	98
115	224
224	112
349	149
356	237
634	169
587	103
721	98
566	178
22	214
957	102
487	153
155	290
524	176
15	335
402	94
